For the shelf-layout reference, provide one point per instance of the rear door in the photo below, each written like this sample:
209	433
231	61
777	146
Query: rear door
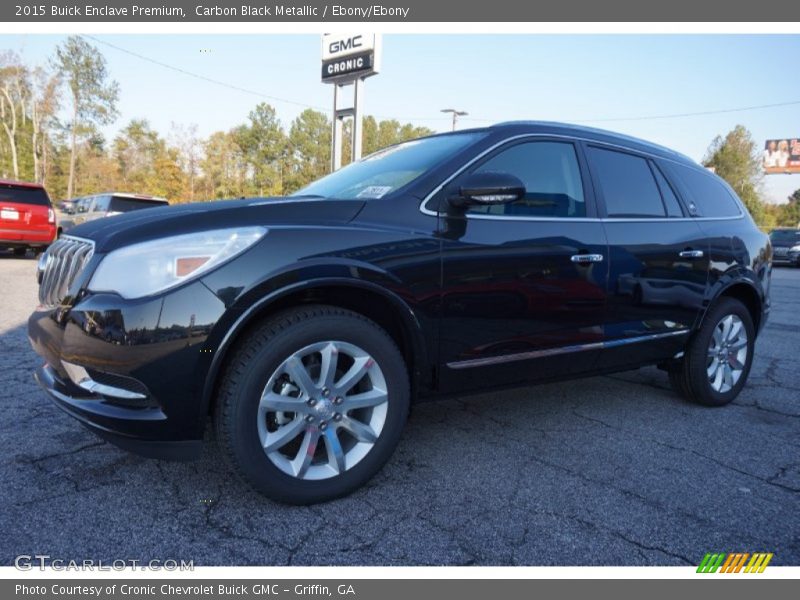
658	258
524	284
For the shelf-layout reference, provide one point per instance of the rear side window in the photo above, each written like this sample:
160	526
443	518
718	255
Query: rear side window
709	195
552	179
122	204
627	183
668	194
24	195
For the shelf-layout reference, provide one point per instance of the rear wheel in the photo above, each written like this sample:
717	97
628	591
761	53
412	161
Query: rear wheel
312	404
717	360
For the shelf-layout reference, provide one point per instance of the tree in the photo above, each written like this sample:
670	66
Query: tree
93	94
737	159
309	155
264	145
789	214
188	146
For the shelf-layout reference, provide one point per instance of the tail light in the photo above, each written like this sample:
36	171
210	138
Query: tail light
51	215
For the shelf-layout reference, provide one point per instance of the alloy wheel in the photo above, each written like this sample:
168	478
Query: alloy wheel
727	354
322	410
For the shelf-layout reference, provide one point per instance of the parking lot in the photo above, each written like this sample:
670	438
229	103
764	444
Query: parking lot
605	471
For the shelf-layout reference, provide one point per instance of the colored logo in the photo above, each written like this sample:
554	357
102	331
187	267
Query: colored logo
735	562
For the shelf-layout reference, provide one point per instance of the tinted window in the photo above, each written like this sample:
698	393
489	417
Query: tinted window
709	195
121	204
627	183
23	195
785	236
387	170
668	194
552	179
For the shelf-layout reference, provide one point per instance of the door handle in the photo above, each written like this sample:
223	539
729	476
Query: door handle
691	254
586	258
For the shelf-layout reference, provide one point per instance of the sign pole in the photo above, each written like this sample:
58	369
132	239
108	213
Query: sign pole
358	123
348	59
336	134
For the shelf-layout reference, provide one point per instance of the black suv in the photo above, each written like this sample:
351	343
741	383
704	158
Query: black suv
305	326
785	246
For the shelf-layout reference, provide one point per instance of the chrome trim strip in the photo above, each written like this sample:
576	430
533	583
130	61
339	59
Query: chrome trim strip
81	378
507	358
426	211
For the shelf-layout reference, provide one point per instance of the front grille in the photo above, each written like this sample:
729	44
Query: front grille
63	262
780	251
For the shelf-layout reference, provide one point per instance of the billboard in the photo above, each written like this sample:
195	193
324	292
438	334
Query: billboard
782	156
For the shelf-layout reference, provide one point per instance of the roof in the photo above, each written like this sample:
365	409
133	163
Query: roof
25	184
600	135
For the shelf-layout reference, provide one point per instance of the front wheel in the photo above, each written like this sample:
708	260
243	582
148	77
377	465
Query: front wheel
312	404
717	360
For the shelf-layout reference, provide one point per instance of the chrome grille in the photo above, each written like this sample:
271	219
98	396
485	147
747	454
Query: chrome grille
62	263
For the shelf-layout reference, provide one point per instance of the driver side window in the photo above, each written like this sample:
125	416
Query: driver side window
552	178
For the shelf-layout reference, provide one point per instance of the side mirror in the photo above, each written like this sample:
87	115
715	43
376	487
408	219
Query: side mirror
489	188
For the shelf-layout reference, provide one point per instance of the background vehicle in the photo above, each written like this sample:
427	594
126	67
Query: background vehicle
97	206
785	246
449	265
27	219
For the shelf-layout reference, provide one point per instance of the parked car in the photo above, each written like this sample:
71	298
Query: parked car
457	263
785	246
27	219
108	204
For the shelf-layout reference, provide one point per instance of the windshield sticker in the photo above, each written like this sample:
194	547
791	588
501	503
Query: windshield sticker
374	191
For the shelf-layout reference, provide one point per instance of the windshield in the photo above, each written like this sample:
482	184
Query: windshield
388	170
785	236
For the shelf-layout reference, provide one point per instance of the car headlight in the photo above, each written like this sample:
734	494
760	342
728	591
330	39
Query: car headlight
795	248
150	267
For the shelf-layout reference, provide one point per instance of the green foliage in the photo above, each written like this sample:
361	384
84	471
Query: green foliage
789	213
737	159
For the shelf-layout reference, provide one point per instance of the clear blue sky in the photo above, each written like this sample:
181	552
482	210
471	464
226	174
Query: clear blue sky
574	78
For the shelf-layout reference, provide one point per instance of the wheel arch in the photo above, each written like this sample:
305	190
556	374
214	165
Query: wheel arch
745	292
375	302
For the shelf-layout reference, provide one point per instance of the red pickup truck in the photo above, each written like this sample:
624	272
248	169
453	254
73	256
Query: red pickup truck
27	218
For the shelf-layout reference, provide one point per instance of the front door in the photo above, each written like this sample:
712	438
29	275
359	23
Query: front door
524	284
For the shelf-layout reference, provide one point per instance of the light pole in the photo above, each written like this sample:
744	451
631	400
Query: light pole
456	114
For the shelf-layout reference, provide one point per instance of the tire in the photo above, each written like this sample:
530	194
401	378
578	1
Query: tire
20	251
259	403
708	373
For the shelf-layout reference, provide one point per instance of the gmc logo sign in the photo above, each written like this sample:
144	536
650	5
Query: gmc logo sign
344	45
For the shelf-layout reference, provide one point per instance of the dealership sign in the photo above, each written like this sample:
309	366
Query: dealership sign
782	156
347	57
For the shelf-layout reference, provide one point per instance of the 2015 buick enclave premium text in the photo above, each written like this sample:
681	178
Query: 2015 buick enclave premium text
305	326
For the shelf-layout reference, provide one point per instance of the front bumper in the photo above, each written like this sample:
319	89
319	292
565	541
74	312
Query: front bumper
115	424
132	371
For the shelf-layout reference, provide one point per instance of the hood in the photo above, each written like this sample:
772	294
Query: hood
110	233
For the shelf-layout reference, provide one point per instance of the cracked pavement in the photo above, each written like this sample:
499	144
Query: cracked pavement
612	470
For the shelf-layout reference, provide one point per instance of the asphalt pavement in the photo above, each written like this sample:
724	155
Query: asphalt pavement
614	470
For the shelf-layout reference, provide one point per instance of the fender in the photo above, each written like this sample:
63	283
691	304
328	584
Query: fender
735	276
243	317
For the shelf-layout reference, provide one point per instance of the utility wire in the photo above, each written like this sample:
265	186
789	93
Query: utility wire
204	78
473	119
